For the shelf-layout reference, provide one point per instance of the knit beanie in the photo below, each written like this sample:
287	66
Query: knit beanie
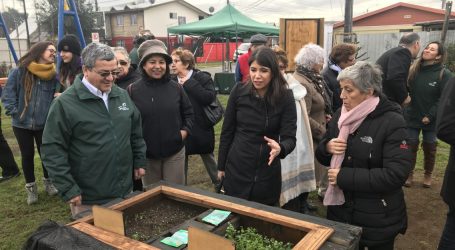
70	43
151	47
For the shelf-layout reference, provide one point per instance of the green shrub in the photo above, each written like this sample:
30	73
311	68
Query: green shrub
250	239
451	57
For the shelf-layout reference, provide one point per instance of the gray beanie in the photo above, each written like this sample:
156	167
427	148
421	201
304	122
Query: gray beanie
153	47
258	39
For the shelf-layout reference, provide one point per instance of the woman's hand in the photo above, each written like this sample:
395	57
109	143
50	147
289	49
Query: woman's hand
425	120
220	175
184	134
275	149
336	146
332	175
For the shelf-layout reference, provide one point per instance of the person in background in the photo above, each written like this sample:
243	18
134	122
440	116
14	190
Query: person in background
259	129
7	162
138	40
167	115
242	69
200	89
341	56
93	135
127	73
445	129
70	63
27	97
309	62
395	65
297	169
365	146
427	78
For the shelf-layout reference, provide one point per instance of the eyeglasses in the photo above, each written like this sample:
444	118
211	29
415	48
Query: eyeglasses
123	63
176	61
105	74
53	51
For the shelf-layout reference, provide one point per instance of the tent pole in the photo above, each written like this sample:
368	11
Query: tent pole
168	43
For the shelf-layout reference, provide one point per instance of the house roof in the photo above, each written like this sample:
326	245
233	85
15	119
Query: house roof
147	5
393	6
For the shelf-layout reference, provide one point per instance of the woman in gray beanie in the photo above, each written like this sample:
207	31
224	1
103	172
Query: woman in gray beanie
70	61
167	114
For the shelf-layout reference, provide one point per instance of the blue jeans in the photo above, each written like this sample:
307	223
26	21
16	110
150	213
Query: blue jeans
447	241
429	136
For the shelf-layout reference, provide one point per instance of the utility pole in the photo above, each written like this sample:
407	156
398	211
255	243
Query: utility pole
349	4
26	25
37	20
445	26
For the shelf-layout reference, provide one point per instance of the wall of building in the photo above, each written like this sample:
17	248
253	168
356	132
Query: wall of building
127	29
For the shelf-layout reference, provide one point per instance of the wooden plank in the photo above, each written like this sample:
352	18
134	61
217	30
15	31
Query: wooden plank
202	240
319	234
116	240
314	239
108	219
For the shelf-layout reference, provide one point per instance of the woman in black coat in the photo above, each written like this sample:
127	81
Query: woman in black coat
200	89
376	160
259	128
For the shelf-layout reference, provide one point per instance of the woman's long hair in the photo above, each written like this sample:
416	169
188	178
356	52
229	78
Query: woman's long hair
70	70
33	55
417	64
277	87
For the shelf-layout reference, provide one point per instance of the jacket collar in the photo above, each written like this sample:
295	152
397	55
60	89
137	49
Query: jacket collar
83	93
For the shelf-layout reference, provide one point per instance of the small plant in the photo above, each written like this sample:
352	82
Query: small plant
250	239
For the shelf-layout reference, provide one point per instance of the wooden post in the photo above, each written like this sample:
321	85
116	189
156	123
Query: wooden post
445	26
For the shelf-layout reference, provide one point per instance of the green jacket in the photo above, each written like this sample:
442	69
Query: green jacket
89	150
425	90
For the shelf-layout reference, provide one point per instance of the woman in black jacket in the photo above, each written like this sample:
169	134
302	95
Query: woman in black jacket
167	115
70	62
259	128
369	162
200	89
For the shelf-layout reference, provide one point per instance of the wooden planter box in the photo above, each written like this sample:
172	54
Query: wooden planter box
303	231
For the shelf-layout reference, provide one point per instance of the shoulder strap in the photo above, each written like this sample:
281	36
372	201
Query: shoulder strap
128	89
441	74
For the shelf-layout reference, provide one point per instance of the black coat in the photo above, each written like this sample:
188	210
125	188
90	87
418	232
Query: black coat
395	65
376	164
243	152
201	92
131	77
330	78
445	127
165	110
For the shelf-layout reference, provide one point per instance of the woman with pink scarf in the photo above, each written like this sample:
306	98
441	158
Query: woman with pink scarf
366	148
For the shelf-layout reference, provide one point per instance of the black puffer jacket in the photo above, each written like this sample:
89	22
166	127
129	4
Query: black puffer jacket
201	92
376	164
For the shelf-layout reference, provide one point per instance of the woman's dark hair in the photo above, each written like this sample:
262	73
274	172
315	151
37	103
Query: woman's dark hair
70	70
417	64
266	57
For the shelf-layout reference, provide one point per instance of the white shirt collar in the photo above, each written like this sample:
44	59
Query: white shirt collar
94	90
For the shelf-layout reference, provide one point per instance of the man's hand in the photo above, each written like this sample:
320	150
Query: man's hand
138	173
220	175
425	120
76	200
184	134
406	101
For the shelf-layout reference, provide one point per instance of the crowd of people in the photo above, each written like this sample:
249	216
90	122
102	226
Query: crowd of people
110	122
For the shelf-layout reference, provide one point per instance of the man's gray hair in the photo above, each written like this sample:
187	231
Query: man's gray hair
310	55
123	51
409	39
364	75
94	52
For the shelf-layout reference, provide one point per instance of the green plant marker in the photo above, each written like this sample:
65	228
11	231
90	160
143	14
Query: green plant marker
181	235
216	217
171	241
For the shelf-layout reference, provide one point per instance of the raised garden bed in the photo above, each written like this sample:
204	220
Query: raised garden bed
176	207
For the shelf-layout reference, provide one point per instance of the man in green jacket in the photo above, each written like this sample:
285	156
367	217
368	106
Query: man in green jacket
93	136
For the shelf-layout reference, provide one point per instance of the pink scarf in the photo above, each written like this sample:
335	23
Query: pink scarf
348	123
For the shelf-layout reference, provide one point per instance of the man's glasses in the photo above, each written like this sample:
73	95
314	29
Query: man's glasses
123	63
105	74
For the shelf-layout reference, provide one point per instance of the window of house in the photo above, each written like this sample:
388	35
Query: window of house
173	15
120	43
406	30
120	20
133	19
182	20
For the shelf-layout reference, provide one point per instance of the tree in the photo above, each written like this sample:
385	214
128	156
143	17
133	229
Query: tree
12	19
47	12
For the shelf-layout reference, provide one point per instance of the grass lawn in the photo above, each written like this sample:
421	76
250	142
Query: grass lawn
18	220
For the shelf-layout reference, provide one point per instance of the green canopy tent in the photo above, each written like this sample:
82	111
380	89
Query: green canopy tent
228	22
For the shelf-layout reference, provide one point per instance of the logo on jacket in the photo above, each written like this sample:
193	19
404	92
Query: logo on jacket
367	139
123	107
404	145
432	84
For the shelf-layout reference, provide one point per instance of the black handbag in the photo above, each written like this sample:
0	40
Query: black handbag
214	112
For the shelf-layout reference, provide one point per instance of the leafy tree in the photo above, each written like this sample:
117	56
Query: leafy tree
47	12
12	19
451	57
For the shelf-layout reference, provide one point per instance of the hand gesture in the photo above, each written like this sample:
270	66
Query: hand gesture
275	149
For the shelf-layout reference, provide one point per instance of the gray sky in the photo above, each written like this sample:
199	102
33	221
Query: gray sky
270	10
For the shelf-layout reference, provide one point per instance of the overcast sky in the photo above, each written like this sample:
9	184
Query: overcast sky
270	10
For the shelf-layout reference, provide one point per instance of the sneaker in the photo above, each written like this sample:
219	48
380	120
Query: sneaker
7	177
32	193
49	186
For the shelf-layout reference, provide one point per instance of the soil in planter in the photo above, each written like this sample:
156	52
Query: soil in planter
160	217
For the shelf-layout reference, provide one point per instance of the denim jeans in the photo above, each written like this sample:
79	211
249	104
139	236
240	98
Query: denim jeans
429	136
447	241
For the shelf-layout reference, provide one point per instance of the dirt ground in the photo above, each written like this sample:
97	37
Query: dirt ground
426	210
